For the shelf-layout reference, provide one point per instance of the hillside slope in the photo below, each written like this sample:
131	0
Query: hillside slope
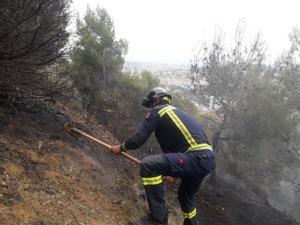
49	177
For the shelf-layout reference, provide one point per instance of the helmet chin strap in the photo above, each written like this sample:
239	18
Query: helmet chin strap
155	103
159	102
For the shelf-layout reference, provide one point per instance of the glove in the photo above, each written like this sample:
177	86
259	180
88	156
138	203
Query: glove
170	180
116	149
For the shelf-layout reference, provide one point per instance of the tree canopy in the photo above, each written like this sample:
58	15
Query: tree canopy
97	58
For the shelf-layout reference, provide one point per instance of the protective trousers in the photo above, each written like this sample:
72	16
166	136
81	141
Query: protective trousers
190	167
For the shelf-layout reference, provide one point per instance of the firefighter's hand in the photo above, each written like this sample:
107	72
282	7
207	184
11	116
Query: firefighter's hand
116	149
170	180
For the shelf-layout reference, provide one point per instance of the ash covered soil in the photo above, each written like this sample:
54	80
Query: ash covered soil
49	177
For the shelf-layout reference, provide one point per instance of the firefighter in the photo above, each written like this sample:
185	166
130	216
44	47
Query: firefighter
187	155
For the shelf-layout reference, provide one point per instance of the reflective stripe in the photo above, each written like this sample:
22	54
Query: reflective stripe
182	128
164	110
187	135
190	215
152	180
166	98
200	147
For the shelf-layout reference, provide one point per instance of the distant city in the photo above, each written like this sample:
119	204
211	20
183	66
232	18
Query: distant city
173	77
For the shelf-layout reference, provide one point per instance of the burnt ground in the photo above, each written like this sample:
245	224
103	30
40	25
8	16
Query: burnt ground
49	177
225	204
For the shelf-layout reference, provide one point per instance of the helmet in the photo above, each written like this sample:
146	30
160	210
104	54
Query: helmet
156	95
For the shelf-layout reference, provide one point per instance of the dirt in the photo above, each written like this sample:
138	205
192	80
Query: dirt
49	177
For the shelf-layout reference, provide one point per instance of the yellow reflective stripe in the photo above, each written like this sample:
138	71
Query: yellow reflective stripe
182	128
152	180
152	183
199	147
164	110
187	135
166	98
190	215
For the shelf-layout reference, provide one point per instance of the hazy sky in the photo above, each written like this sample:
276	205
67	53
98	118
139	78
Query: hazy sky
168	30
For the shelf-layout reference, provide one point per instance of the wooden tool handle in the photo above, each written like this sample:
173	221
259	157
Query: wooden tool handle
126	155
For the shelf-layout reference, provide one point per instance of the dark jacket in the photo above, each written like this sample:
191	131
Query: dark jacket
175	130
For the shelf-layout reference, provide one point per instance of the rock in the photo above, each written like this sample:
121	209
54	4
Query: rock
4	184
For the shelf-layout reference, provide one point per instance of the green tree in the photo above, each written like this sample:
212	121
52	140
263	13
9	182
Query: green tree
128	110
255	107
286	82
97	59
287	70
221	75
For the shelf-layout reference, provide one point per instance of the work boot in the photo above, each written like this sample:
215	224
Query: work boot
147	220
